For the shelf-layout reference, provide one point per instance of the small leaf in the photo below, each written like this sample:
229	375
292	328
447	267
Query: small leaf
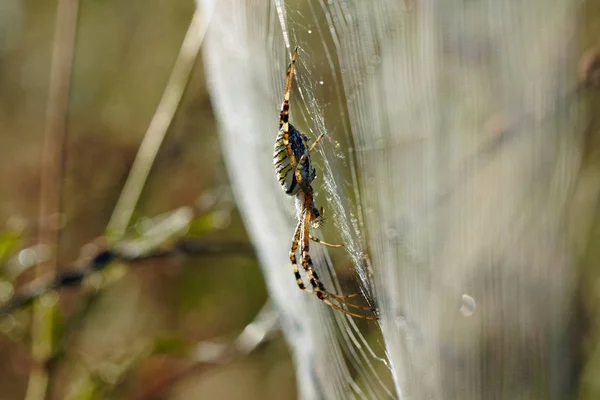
57	325
84	390
170	345
201	225
8	243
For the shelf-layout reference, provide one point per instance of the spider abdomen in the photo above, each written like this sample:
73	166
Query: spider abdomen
283	165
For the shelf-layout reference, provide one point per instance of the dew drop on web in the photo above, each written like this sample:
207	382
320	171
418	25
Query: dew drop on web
468	305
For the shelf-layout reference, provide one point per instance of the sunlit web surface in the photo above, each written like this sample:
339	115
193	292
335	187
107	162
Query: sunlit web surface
445	171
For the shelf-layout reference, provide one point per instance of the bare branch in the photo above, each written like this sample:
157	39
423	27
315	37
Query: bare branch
158	128
206	355
52	170
72	276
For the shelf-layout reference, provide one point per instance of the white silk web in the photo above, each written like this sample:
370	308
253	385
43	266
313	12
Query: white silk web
449	157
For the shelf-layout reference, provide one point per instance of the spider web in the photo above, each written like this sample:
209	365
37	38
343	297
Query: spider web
446	169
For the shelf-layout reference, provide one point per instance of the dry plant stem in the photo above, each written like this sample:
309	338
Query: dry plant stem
207	355
74	276
52	163
158	128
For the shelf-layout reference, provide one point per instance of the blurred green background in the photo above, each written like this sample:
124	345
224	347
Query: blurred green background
129	339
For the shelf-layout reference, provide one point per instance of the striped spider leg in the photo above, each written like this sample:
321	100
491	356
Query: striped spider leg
310	214
295	172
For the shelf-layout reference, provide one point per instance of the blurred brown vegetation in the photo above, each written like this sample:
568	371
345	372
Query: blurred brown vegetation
124	54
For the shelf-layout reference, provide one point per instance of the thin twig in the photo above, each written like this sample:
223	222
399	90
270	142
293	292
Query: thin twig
157	129
52	170
206	355
72	276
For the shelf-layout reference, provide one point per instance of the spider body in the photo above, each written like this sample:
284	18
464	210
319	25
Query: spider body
291	158
283	165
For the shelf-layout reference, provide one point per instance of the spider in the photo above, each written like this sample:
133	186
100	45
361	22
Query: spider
291	158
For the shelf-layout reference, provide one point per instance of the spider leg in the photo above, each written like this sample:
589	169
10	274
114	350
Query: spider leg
293	249
312	146
305	155
314	278
345	296
294	261
285	107
284	118
311	268
317	285
323	296
315	239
